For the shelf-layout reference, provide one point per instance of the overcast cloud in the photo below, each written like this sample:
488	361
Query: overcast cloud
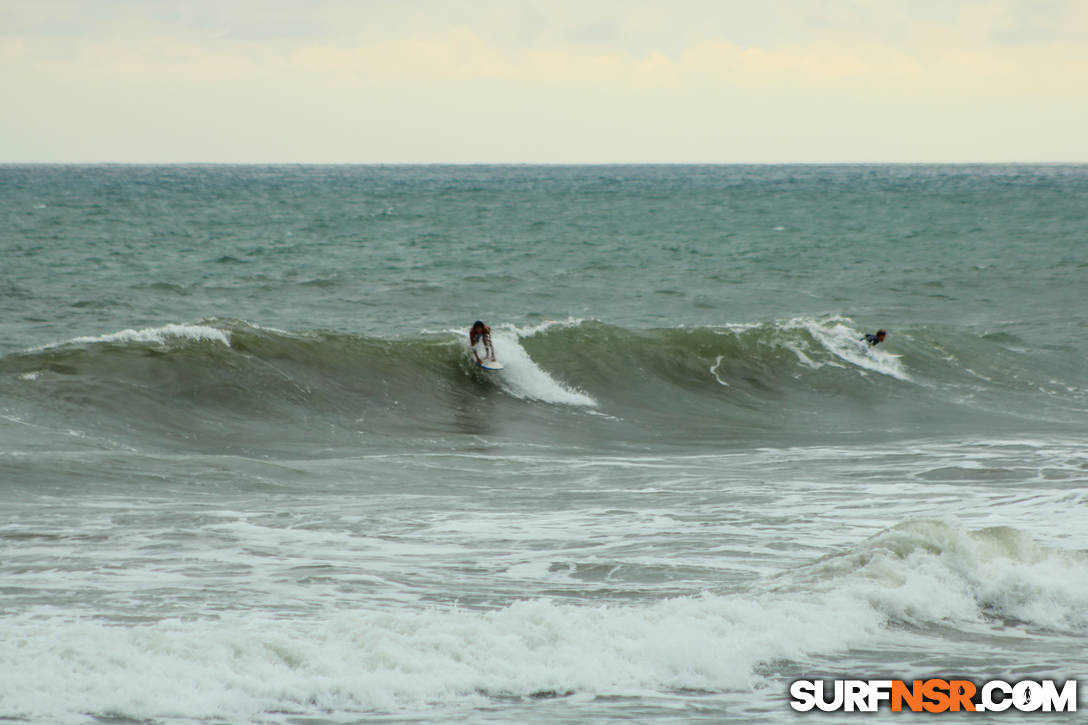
561	81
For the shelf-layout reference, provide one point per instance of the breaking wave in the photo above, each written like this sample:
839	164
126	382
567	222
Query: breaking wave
581	382
917	573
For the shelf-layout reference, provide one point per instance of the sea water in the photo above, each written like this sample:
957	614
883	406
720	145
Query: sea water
249	473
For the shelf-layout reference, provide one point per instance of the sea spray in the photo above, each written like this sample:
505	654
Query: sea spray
524	378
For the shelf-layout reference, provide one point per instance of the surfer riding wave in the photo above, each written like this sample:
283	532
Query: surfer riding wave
480	334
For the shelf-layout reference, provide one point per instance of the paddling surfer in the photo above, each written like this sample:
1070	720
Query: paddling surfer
481	333
876	339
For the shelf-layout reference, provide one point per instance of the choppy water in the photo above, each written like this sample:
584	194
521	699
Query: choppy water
248	472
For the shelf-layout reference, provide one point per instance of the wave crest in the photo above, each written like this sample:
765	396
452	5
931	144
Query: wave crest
774	383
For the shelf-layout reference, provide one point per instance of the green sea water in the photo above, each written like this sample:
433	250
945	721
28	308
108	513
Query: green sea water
249	472
390	251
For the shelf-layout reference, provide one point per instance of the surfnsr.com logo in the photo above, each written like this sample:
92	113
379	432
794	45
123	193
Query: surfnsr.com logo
933	695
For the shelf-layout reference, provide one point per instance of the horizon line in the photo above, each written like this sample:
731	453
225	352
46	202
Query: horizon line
543	163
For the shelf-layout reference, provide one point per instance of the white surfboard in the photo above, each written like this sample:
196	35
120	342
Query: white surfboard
490	364
872	350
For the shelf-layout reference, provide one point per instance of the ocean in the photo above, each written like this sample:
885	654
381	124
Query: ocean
249	472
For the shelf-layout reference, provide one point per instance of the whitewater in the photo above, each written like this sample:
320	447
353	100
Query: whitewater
249	472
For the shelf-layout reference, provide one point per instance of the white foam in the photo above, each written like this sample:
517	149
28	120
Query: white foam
936	570
523	378
244	667
845	343
805	359
159	335
714	370
335	663
530	330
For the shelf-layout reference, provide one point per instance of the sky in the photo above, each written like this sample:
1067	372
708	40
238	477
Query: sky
554	81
